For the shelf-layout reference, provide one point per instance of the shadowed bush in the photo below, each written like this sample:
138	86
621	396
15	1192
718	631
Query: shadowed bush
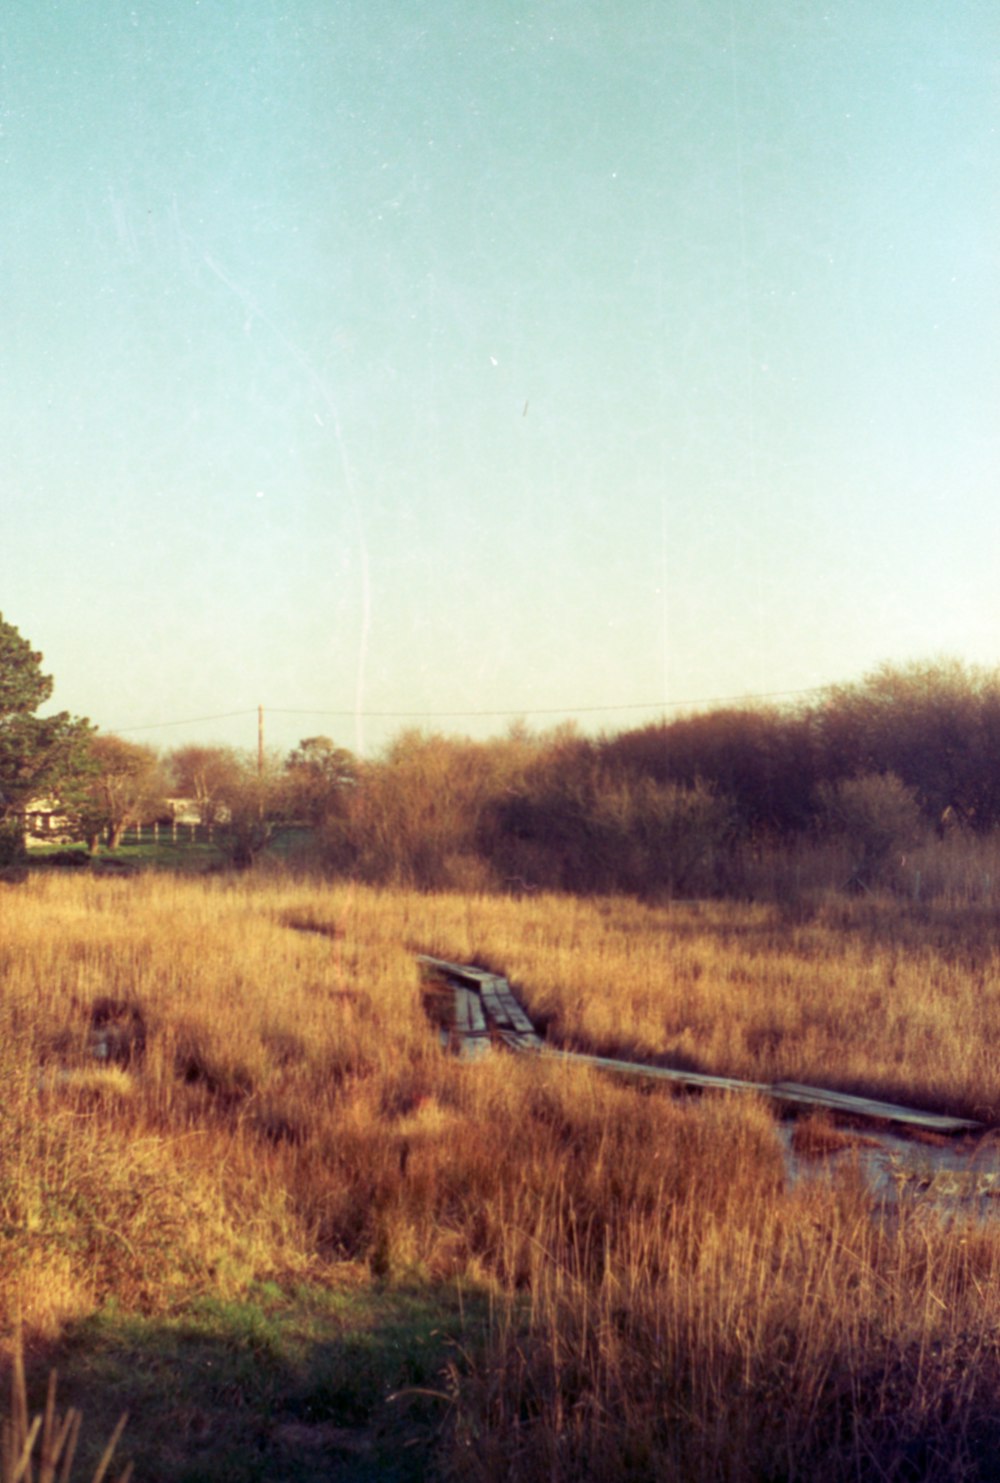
878	819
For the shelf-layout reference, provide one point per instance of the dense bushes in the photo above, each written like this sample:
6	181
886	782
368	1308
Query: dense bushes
878	818
415	816
524	813
593	831
765	761
935	726
702	804
685	806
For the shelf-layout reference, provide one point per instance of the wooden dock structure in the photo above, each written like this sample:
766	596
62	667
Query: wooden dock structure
477	1008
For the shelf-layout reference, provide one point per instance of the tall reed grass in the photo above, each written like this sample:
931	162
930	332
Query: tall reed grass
210	1083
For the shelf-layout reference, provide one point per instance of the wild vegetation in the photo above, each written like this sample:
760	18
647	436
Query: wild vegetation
862	776
36	754
245	1196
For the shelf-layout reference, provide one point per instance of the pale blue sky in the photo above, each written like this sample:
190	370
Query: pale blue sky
494	356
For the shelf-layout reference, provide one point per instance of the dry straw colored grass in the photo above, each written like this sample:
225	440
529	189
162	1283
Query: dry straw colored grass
274	1106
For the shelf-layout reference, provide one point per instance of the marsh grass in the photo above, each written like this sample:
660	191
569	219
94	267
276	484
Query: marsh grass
661	1301
43	1448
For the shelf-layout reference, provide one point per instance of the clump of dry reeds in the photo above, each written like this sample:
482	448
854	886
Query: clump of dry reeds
272	1104
42	1449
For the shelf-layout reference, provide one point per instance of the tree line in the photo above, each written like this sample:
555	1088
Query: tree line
906	752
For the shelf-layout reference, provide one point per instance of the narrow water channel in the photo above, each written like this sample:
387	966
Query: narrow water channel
960	1175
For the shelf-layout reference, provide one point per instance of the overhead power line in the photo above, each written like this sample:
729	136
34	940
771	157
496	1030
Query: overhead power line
557	710
188	721
431	715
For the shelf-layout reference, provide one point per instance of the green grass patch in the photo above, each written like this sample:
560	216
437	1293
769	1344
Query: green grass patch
162	854
307	1384
184	854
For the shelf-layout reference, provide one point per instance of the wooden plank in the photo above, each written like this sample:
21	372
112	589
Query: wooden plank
469	1017
515	1040
658	1073
513	1010
459	1011
503	1007
787	1091
477	1018
454	970
472	1047
462	1020
470	1035
492	1003
792	1091
497	998
515	1030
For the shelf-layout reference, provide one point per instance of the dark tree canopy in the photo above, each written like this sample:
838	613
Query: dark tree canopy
319	773
23	687
933	725
39	755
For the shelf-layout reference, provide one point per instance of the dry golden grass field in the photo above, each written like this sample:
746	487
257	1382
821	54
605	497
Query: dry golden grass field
245	1195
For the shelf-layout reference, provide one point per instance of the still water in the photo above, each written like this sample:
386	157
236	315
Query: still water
954	1174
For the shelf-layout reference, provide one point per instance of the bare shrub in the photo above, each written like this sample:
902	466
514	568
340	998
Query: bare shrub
416	815
879	819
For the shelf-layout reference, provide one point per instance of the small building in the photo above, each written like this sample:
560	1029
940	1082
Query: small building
45	823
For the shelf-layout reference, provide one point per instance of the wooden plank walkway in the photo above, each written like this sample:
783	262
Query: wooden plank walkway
485	1009
511	1025
469	1016
870	1107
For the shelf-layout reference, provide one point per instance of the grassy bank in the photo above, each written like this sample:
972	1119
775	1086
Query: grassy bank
244	1194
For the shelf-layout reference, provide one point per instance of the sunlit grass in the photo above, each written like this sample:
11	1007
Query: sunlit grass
221	1083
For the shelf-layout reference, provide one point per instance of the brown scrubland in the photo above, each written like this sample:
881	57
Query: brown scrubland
223	1086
